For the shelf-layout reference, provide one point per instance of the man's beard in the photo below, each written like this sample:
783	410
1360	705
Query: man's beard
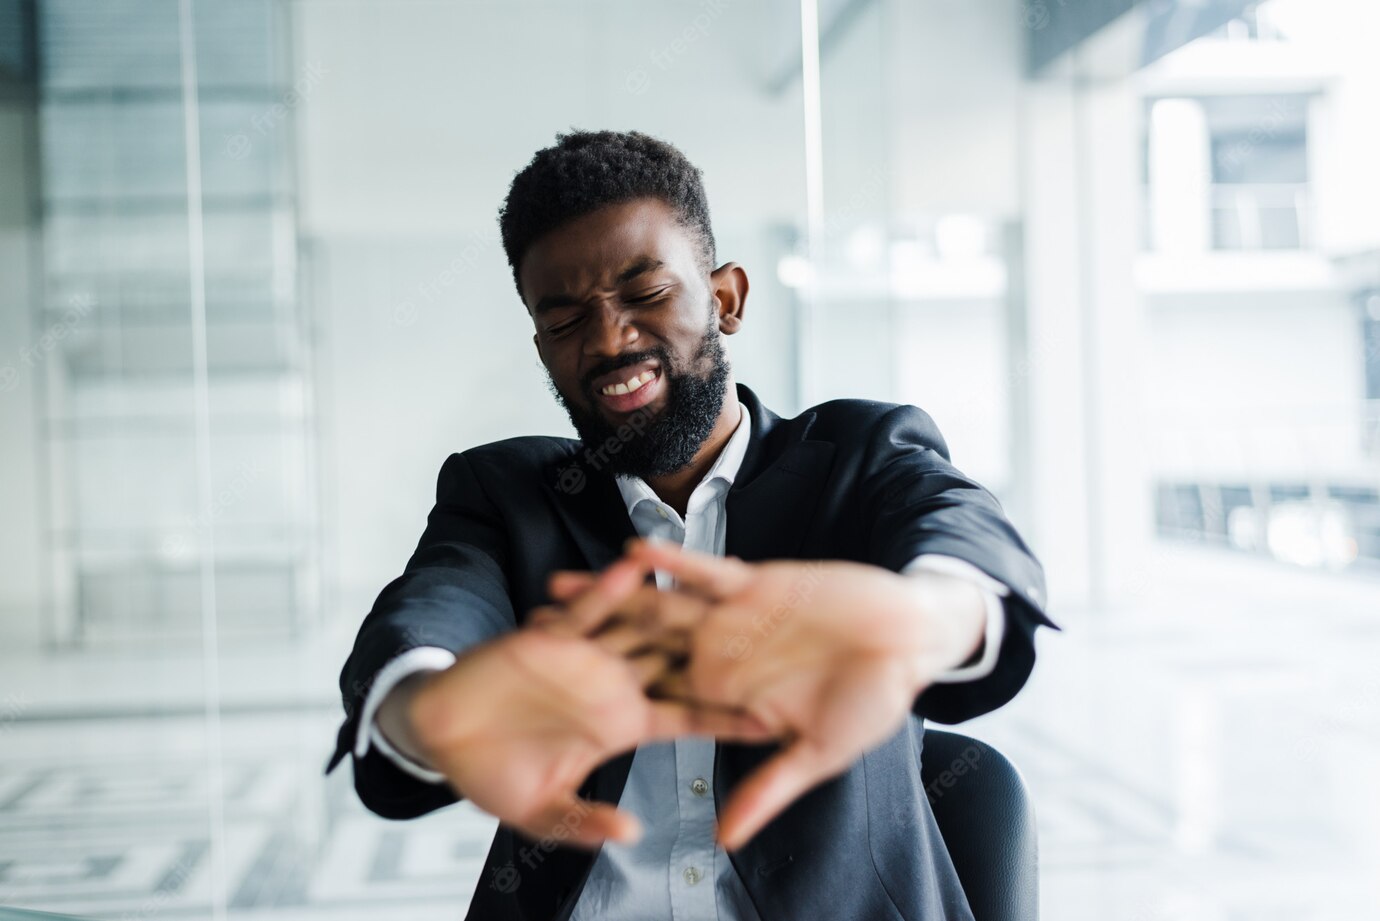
649	444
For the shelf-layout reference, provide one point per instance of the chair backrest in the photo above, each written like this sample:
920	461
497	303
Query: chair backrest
984	813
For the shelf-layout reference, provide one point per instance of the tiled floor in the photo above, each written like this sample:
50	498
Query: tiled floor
1207	752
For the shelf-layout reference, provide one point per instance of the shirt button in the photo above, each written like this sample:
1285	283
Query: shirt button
692	876
699	786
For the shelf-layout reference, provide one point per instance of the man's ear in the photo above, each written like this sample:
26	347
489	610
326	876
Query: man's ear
729	285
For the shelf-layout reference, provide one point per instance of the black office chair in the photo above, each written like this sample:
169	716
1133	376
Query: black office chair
984	813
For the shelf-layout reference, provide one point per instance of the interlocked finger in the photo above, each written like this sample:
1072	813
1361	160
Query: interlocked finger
651	667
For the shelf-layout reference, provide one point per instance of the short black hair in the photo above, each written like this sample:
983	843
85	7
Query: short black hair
586	170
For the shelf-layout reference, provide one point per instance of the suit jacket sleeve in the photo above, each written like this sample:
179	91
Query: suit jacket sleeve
917	502
453	593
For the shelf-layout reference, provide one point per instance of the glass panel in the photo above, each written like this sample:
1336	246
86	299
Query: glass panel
202	533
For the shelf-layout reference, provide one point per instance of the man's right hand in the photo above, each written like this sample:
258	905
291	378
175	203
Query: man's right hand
518	723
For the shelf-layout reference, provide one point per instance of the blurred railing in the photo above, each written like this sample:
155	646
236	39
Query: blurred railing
1253	484
1243	217
1262	216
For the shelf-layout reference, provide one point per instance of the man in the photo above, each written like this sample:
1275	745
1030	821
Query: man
741	738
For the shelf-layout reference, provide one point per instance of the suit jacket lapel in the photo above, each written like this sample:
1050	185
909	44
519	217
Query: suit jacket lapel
772	500
770	507
770	504
769	510
589	503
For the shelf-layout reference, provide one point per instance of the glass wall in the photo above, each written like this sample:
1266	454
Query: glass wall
252	295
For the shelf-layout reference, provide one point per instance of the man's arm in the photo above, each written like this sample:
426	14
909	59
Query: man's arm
991	592
452	595
917	503
384	723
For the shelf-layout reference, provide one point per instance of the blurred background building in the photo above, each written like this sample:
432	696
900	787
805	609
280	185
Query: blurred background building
1127	254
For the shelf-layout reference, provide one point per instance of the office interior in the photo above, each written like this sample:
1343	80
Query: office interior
1125	253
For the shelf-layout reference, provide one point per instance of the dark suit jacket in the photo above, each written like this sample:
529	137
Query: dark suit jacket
848	479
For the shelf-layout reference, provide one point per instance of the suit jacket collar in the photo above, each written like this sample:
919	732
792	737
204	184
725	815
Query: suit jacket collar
635	490
766	514
769	509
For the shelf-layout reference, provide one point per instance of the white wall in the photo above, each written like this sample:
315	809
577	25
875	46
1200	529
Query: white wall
957	82
1254	385
407	142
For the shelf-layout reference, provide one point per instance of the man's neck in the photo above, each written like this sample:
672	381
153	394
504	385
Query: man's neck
675	488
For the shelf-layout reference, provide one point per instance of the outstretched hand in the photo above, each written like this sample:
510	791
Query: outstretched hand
827	655
518	723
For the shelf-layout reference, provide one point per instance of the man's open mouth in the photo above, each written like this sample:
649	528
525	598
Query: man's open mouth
629	389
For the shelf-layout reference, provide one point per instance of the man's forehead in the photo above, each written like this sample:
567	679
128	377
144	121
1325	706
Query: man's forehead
599	247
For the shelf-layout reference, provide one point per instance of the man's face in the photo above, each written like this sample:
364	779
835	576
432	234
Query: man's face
620	301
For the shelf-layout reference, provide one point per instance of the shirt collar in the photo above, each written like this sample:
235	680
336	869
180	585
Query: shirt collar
725	467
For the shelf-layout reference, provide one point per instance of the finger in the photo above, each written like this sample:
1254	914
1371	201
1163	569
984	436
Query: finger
565	584
771	788
674	685
589	610
675	610
714	576
673	642
622	638
663	610
572	820
650	667
544	616
670	719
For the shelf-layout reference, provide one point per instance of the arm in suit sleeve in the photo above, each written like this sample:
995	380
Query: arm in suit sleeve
453	594
984	660
917	502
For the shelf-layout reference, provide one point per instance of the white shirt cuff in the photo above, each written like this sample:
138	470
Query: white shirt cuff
995	620
418	659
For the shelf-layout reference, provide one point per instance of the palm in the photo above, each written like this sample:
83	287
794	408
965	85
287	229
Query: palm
841	707
517	724
566	707
841	702
814	651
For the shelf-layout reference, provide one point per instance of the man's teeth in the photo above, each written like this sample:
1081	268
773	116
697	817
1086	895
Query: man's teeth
629	385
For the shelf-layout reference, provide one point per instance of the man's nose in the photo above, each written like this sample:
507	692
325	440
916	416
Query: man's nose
609	332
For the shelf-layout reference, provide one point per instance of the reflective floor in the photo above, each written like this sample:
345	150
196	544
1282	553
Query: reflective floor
1208	751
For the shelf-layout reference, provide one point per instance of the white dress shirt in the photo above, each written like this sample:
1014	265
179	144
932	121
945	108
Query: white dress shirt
676	870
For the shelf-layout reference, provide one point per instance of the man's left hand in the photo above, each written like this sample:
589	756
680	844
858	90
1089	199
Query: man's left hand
829	654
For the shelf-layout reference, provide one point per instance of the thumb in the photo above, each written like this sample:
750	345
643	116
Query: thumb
771	788
715	577
571	820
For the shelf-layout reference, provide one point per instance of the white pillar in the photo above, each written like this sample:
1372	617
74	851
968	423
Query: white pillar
1081	202
1052	372
1180	177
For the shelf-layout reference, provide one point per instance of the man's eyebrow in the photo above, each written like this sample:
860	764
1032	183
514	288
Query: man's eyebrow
552	301
640	267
